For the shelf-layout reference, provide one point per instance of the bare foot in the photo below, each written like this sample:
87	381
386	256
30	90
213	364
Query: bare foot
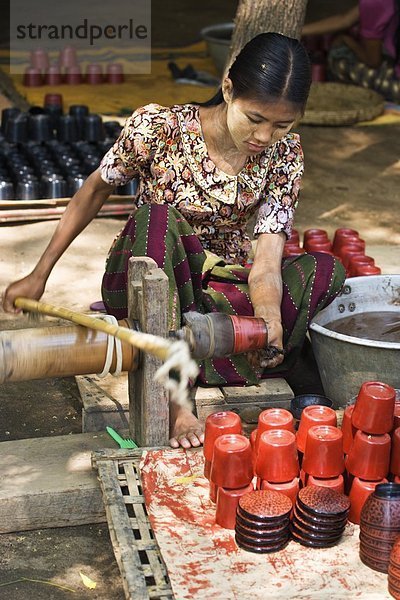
185	429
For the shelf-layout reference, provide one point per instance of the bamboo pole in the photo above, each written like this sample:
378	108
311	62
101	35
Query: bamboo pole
175	354
144	341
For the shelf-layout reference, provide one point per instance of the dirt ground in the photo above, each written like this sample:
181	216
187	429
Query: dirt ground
352	179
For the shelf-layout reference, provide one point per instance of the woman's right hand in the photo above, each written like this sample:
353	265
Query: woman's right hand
30	286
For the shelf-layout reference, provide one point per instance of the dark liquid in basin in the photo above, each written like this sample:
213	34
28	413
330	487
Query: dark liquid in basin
379	326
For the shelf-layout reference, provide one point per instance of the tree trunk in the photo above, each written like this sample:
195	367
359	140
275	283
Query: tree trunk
259	16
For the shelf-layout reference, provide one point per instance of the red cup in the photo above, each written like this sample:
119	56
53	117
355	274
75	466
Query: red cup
350	241
115	73
289	488
396	418
318	72
334	483
207	469
347	252
358	260
292	250
294	237
323	455
317	245
217	424
363	270
94	74
53	100
227	503
40	59
369	456
396	479
32	77
314	415
53	76
231	465
348	429
68	57
359	492
73	75
274	418
341	234
277	459
395	454
313	233
374	408
213	492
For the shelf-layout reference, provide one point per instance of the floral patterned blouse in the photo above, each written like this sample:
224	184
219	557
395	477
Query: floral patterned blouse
166	150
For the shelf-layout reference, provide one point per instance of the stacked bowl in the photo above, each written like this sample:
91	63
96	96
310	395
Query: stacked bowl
320	516
262	521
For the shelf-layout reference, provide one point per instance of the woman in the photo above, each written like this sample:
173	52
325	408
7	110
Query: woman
367	52
203	171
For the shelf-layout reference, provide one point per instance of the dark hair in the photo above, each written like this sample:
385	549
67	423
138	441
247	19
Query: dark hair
270	67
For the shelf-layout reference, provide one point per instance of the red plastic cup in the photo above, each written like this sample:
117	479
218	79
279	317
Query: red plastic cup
348	429
359	260
213	492
94	74
53	76
396	418
369	456
277	459
115	73
350	241
207	469
294	237
317	245
323	455
359	492
53	100
395	454
68	57
347	252
289	488
313	233
341	234
232	465
374	408
363	270
40	59
274	418
334	483
227	503
217	424
314	415
73	75
32	77
292	250
318	72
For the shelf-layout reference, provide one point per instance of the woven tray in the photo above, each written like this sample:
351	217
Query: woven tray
139	559
341	104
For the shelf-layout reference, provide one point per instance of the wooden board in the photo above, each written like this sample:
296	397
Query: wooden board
204	562
142	569
49	482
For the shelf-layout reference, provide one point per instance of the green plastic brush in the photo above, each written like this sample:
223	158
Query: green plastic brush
122	442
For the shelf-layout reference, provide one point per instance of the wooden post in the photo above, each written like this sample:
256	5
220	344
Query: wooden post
148	305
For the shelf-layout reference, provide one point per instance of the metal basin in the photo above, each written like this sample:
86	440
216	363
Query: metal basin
218	39
346	361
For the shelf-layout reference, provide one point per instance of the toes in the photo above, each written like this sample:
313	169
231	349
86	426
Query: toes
173	442
194	440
